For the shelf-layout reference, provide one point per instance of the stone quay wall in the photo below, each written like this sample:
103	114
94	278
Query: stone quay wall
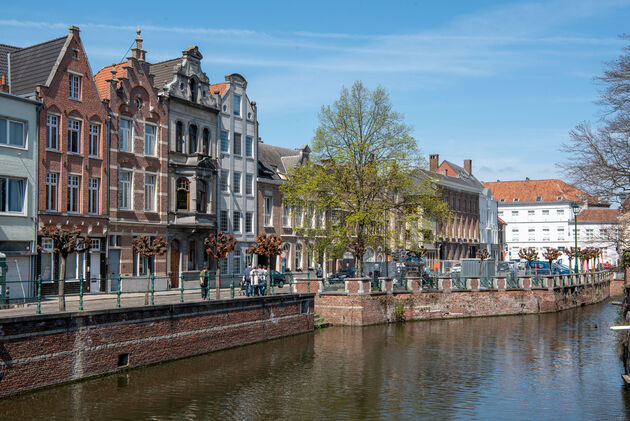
44	350
359	306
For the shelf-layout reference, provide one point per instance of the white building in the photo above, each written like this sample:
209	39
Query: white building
489	224
598	227
538	214
238	164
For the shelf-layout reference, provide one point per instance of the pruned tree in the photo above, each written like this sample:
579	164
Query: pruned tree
66	240
362	172
530	254
598	159
551	254
571	252
268	245
149	249
218	247
482	254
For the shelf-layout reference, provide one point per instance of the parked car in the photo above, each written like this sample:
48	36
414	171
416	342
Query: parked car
541	267
457	268
277	278
342	274
503	267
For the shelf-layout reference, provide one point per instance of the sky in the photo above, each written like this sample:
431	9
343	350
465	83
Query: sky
498	82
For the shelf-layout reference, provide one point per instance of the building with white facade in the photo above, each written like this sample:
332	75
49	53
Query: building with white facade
238	168
538	214
599	227
18	189
489	224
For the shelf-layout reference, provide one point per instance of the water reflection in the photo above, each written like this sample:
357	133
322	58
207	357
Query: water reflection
552	366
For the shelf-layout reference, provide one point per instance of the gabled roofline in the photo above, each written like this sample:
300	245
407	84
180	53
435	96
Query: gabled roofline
62	53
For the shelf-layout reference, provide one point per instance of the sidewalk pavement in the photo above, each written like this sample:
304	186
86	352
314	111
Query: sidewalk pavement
104	301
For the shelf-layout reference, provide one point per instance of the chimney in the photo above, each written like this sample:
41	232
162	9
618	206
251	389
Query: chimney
138	53
74	30
468	166
4	87
434	162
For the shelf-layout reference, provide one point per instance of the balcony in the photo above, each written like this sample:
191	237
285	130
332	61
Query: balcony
205	220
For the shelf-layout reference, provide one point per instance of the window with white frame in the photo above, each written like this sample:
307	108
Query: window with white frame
299	217
74	86
237	144
515	234
530	213
223	221
531	234
124	190
12	194
51	191
236	261
322	219
249	222
286	216
52	132
93	190
224	141
124	135
95	244
236	186
514	213
249	184
74	184
268	209
589	233
500	213
149	140
560	234
95	136
224	265
237	105
47	259
560	212
249	146
74	136
545	234
236	221
149	192
225	177
12	133
545	212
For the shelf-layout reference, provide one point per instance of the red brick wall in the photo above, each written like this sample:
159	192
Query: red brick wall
44	350
367	309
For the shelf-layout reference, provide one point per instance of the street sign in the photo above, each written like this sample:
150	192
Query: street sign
283	255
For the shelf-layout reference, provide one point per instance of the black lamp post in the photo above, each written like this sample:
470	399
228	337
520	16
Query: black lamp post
576	209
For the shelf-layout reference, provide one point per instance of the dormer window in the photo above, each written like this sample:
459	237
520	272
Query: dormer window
538	198
559	198
502	200
75	54
515	199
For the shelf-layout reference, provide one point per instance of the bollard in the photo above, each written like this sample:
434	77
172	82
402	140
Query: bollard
232	287
39	294
119	291
80	292
181	288
152	288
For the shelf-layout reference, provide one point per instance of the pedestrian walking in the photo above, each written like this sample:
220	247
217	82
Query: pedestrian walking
318	271
256	281
204	280
263	280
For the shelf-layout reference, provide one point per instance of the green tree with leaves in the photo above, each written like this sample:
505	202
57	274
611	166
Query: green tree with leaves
363	171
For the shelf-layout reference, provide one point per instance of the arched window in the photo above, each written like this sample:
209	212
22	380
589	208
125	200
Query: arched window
201	196
183	193
206	142
179	137
193	90
192	139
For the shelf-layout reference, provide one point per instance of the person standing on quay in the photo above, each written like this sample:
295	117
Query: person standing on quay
263	280
255	281
204	280
248	279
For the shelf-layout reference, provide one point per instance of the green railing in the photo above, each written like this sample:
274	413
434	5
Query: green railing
430	283
538	281
399	285
486	282
511	281
458	282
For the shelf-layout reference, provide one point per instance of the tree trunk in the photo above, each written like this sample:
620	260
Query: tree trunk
146	291
218	280
62	283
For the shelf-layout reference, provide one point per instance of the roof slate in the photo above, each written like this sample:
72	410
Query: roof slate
276	160
528	190
31	66
163	72
4	50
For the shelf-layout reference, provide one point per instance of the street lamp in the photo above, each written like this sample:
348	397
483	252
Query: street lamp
576	209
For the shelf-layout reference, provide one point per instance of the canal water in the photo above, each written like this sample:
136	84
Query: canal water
551	366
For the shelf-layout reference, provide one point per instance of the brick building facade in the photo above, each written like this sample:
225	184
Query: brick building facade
138	169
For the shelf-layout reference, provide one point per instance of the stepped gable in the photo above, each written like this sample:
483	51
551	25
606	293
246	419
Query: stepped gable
550	190
102	76
32	66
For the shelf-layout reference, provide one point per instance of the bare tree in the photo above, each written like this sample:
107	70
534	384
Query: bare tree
482	255
268	245
551	254
530	254
571	253
66	240
218	247
149	249
599	158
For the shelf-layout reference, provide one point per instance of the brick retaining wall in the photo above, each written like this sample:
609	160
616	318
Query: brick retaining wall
358	310
38	351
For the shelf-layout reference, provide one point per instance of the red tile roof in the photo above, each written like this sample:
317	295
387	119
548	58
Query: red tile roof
501	221
599	215
528	190
105	74
222	87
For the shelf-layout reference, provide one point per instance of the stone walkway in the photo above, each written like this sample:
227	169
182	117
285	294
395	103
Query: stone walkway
103	301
